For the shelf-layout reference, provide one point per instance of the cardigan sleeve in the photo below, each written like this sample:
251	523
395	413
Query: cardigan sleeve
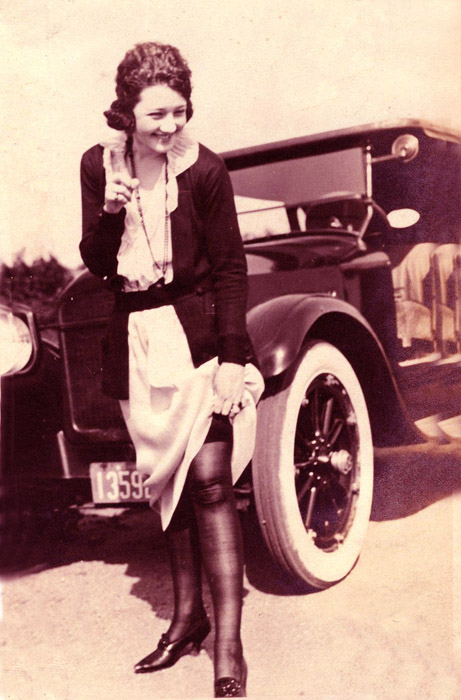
227	261
101	231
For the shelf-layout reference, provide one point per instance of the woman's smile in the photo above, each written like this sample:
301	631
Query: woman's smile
164	138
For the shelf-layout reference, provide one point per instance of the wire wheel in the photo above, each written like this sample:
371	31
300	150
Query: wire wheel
313	467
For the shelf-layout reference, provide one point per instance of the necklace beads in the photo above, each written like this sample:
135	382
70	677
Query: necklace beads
162	267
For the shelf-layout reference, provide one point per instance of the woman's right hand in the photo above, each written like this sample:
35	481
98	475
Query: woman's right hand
119	190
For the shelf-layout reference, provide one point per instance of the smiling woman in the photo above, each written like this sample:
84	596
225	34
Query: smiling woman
160	226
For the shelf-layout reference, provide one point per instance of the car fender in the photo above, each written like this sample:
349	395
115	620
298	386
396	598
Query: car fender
279	326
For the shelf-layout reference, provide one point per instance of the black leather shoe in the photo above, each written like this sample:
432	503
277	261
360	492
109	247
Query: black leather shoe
228	687
167	653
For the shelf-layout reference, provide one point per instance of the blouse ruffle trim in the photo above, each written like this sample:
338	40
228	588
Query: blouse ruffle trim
180	158
134	261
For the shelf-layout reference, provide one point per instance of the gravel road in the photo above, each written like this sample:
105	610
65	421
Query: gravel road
96	602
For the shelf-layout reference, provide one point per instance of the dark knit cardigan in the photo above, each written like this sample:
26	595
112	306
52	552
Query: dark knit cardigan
209	288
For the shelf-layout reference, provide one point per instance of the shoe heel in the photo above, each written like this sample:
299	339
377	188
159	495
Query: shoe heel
199	638
195	650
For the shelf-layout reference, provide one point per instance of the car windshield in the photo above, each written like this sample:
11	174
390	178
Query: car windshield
284	197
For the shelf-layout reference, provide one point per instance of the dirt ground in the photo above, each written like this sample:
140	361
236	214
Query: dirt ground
96	602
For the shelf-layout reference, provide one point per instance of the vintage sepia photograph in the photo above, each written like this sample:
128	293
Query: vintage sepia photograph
230	350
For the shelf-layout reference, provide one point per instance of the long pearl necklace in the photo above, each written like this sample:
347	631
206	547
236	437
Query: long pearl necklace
164	265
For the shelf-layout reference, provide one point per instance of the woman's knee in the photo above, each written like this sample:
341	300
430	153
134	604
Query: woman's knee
210	474
210	492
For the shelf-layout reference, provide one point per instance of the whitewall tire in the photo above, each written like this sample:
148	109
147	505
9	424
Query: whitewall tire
313	467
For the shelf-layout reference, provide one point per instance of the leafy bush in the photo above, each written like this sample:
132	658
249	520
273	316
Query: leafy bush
37	285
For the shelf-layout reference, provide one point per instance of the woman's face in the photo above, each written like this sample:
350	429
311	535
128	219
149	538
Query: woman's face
160	115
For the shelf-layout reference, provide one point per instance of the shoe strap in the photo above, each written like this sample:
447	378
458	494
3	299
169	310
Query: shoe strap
164	642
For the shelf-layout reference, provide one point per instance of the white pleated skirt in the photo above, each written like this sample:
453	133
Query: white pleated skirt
169	412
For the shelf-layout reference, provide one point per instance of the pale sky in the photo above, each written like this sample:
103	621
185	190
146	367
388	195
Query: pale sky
263	70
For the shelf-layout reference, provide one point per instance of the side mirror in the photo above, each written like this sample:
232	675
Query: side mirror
404	148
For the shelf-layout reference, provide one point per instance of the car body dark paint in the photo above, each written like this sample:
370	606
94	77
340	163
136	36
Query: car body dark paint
320	283
31	417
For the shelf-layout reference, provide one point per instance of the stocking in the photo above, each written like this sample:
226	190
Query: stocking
184	551
211	489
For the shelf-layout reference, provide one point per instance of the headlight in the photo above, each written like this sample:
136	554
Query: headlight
15	342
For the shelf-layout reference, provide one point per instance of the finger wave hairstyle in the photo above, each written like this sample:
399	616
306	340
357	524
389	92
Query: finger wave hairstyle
147	64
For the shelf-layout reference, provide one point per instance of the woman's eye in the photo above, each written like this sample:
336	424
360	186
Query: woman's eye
180	113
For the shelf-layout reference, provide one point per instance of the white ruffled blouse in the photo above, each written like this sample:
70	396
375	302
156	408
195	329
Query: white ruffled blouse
135	255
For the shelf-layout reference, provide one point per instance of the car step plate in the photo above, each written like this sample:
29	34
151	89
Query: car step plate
117	482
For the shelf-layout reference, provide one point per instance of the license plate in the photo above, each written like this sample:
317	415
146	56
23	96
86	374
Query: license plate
117	482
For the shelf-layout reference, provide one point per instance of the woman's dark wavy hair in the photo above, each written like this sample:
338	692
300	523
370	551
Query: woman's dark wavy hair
147	64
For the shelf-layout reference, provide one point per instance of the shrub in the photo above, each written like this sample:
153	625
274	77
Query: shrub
37	285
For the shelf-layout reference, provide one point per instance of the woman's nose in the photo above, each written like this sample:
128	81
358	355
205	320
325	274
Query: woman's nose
168	124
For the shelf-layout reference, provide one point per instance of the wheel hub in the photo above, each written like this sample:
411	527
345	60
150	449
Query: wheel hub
342	461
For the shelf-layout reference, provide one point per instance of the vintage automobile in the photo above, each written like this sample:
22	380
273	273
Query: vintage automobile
352	243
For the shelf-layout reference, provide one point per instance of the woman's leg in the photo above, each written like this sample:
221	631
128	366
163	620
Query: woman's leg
190	624
210	482
184	552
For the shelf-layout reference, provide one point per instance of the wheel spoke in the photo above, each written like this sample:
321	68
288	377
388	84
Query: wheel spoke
306	487
307	463
338	486
338	425
327	415
337	509
310	507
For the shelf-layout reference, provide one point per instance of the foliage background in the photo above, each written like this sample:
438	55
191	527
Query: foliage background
36	285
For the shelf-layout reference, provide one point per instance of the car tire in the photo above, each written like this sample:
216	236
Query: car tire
313	467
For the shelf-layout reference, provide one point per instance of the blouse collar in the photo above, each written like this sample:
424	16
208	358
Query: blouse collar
181	157
183	154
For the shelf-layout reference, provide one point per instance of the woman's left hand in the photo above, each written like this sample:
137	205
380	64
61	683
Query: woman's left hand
228	388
